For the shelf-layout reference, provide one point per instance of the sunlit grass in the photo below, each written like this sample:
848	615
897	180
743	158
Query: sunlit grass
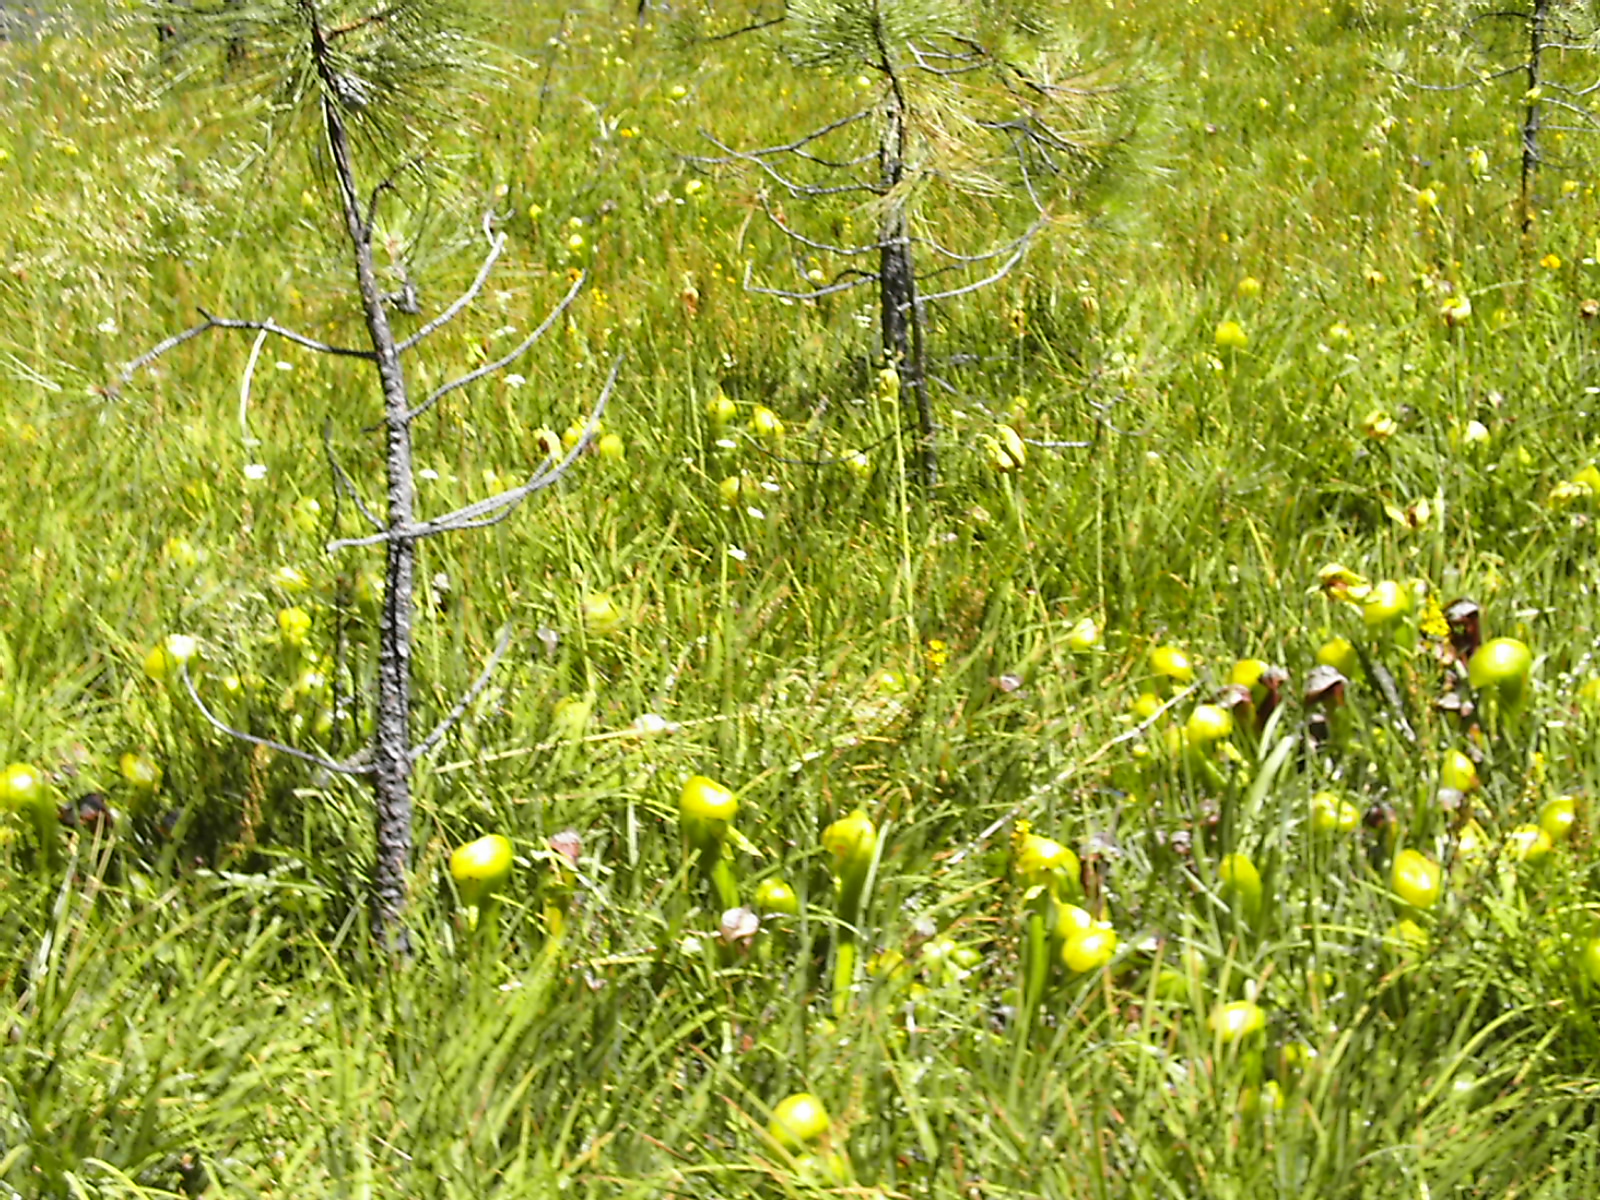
193	996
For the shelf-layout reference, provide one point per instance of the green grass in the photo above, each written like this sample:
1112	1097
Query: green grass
194	1000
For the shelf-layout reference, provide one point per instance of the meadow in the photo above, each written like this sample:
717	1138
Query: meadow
1192	794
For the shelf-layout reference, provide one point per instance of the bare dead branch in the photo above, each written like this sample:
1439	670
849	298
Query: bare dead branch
799	143
1015	244
461	301
460	707
327	764
834	460
298	339
843	251
160	348
740	32
343	484
501	364
844	281
792	186
925	61
1489	77
244	389
976	284
502	506
213	322
1578	111
493	509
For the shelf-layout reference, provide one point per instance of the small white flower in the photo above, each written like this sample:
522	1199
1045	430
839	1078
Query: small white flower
280	365
727	444
255	471
736	552
181	647
652	723
428	473
756	514
109	325
516	381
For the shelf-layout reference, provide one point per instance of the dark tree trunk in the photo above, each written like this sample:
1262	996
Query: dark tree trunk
900	317
1534	119
391	764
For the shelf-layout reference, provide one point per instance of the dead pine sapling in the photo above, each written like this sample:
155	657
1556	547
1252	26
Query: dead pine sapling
356	70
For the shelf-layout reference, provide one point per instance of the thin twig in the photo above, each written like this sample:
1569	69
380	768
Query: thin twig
501	363
793	187
1488	77
844	281
461	705
461	302
828	462
825	247
821	131
740	32
987	255
976	284
160	348
341	478
923	61
298	339
213	322
327	764
501	504
244	389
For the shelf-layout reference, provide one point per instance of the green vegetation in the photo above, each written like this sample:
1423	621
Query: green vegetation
1193	795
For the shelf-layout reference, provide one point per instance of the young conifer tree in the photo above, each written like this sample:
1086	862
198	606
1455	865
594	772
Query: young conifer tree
1543	56
966	99
361	83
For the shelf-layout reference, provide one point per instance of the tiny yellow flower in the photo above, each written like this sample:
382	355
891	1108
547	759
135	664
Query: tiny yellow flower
1230	335
765	424
1455	310
180	552
1249	287
1427	199
1551	262
888	384
294	625
1567	492
1379	425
